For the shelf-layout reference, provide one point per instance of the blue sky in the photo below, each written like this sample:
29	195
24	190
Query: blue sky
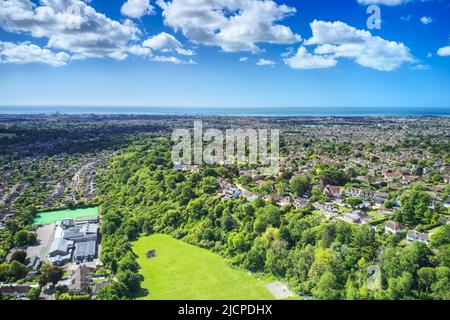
223	53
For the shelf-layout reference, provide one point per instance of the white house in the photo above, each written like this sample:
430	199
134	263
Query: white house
416	236
394	227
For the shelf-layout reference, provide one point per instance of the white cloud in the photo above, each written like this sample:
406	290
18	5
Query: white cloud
25	52
243	59
184	52
302	59
338	40
426	20
138	50
384	2
421	67
265	62
70	25
444	51
165	42
233	25
162	42
406	18
172	59
137	8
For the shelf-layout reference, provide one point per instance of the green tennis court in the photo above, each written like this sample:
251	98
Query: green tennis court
55	216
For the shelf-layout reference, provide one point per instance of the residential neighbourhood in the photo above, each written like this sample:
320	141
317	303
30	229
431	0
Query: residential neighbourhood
396	188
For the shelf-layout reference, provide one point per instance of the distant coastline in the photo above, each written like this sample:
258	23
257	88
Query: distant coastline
231	111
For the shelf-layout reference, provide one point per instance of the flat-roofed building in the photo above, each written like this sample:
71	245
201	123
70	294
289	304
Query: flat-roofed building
85	251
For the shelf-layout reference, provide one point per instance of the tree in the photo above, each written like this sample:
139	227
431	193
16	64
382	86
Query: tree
270	214
50	274
255	258
328	234
246	179
324	261
276	261
445	256
414	206
344	233
34	293
332	176
131	280
441	287
266	187
210	185
227	222
441	238
113	291
299	185
326	288
185	193
426	278
128	263
354	202
17	270
237	243
19	255
24	238
401	287
364	240
300	261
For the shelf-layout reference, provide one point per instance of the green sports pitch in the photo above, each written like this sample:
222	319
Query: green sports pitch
55	216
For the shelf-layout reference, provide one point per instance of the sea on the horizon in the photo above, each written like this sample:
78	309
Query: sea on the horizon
231	111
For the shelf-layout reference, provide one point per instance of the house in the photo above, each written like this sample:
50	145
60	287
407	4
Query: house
367	194
394	227
366	218
80	280
409	179
394	186
180	167
229	190
284	201
357	217
332	191
252	197
381	197
352	192
186	167
416	236
16	290
351	217
300	203
328	209
391	174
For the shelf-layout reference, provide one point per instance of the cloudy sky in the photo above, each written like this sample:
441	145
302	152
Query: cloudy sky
224	53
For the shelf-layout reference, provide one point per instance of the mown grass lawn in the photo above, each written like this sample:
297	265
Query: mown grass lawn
181	271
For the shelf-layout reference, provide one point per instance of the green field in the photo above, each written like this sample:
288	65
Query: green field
181	271
55	216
